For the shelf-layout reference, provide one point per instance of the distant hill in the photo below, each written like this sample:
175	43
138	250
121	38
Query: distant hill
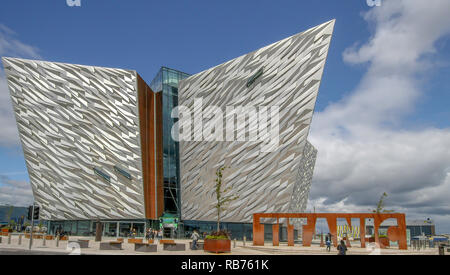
16	213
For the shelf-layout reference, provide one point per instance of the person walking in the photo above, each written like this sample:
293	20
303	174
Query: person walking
342	248
160	235
195	236
328	242
147	234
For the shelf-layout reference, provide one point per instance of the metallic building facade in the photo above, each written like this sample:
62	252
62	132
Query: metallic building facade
97	141
80	128
286	74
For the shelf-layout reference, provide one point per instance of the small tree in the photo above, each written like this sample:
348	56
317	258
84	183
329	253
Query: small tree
380	205
12	224
9	213
222	199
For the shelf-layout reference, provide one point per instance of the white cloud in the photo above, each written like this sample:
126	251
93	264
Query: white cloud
13	192
12	47
363	148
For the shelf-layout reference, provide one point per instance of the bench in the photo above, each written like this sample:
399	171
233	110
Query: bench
167	242
151	241
111	246
49	237
120	240
200	245
83	243
145	247
175	246
135	241
35	236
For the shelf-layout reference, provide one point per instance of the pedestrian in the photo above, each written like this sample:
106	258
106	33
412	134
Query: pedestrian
342	248
194	238
328	242
160	235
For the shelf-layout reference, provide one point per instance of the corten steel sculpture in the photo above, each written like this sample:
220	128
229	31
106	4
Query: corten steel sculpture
395	233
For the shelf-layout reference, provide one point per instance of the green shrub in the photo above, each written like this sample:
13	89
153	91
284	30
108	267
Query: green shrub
216	237
221	235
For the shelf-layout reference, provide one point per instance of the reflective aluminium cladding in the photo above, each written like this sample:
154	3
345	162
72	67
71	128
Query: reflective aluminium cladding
82	130
287	75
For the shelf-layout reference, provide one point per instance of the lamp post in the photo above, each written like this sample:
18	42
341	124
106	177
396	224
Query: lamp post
32	225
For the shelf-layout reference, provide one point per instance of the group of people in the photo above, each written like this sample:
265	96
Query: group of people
342	247
152	234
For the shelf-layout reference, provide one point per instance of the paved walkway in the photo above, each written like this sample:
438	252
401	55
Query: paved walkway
240	249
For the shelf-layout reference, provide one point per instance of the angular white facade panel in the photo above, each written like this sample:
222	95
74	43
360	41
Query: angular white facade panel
79	129
287	75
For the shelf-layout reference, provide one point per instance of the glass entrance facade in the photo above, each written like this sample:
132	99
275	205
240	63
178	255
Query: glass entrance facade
166	81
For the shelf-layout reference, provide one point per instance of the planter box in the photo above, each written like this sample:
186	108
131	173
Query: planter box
145	247
83	243
217	246
111	246
166	242
135	241
384	242
174	246
370	240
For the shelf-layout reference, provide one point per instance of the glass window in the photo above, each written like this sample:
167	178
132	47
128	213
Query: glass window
124	229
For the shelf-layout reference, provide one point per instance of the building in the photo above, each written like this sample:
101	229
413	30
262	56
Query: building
415	228
91	138
269	172
98	141
11	213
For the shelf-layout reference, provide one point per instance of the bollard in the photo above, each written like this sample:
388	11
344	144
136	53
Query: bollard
44	240
245	239
57	241
234	243
9	239
20	239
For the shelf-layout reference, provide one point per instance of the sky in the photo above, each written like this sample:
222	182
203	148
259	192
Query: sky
382	118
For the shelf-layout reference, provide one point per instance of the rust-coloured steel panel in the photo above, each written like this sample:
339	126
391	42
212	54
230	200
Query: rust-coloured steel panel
290	234
395	233
308	231
362	232
276	234
150	118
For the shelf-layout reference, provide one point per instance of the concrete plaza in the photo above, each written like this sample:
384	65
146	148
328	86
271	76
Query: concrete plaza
239	248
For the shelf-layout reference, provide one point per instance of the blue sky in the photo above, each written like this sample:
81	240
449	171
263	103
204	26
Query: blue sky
195	35
188	36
